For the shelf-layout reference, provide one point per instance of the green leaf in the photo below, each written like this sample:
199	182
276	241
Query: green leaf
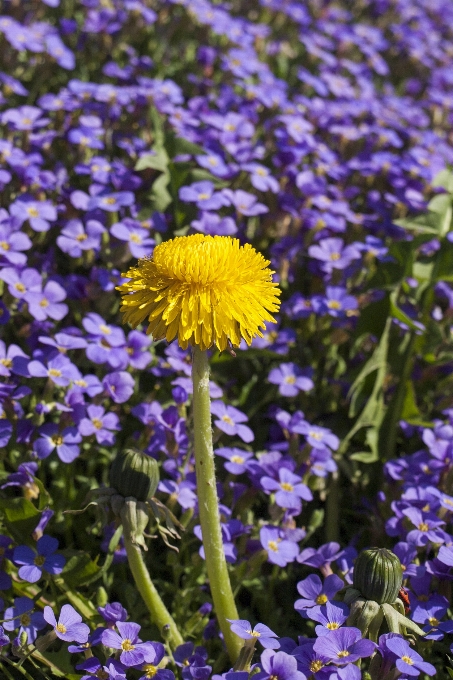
410	409
156	161
160	195
398	313
444	179
20	516
179	145
79	568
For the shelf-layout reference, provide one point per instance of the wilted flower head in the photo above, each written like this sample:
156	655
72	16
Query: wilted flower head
204	290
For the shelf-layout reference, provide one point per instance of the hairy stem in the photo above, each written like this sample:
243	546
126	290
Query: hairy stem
160	615
219	580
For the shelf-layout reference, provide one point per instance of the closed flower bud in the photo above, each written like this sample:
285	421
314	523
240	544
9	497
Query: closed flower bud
134	474
378	575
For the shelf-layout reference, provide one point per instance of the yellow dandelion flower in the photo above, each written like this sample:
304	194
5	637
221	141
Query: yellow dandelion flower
204	290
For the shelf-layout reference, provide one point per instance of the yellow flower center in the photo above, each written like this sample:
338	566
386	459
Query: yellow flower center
61	628
433	621
290	379
285	486
32	212
4	245
55	372
203	197
109	201
97	423
101	674
44	302
342	653
25	620
20	287
39	560
333	625
227	419
315	435
204	290
105	329
80	383
273	545
423	526
57	439
334	304
316	666
407	659
237	459
127	645
447	501
136	238
150	670
335	256
321	599
82	237
6	362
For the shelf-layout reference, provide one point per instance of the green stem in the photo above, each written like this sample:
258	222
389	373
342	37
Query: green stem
159	612
208	506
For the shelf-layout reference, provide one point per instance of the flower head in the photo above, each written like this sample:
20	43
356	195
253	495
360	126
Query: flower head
204	290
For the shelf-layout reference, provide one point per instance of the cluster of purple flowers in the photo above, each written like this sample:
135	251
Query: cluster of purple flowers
310	129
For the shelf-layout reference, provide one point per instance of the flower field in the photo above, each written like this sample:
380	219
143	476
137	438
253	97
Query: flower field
226	354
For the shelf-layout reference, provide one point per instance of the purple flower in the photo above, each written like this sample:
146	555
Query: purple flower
344	646
65	442
114	671
245	203
237	459
290	380
111	202
278	666
69	627
154	653
75	238
407	659
202	193
279	550
330	615
261	177
44	559
112	613
20	616
59	369
289	489
261	632
318	437
333	254
230	419
24	118
99	423
427	527
336	303
133	651
21	283
140	243
47	304
315	593
11	243
38	213
119	386
213	224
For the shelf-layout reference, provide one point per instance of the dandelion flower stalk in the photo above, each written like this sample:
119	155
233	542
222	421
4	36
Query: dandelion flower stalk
204	291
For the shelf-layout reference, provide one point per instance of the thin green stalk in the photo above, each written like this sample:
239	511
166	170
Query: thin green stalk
160	615
219	580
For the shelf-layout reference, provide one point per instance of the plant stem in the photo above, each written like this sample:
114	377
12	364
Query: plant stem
208	506
160	615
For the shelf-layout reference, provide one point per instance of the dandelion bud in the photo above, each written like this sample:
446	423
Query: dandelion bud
378	575
134	474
